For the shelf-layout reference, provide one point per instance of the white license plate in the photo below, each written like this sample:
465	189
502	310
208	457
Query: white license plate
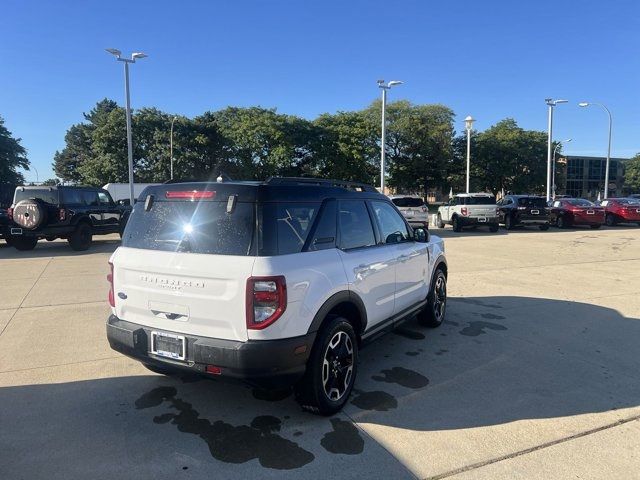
168	345
638	210
482	219
590	212
16	231
535	212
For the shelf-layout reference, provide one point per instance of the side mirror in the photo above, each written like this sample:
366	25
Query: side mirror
421	235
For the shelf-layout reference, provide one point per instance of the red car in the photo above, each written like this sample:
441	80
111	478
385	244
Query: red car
566	212
621	210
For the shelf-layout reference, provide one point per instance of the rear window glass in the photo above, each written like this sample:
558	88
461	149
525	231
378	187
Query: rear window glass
629	201
44	194
407	202
191	227
532	202
580	202
478	200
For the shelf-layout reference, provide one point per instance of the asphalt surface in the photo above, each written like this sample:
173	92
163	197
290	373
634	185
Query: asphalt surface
535	374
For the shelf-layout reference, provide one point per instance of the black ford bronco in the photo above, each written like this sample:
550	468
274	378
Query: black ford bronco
74	213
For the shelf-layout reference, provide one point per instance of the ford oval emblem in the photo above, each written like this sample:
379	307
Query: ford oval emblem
122	295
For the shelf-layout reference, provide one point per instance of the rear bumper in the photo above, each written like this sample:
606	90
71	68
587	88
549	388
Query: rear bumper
264	363
41	233
478	220
542	220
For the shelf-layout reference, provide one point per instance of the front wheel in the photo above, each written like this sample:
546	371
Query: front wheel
331	369
440	222
561	222
24	243
508	222
610	220
433	313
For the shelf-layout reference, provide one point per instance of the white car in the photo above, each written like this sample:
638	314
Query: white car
413	208
469	210
276	283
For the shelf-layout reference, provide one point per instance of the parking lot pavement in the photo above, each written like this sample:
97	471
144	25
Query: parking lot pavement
534	375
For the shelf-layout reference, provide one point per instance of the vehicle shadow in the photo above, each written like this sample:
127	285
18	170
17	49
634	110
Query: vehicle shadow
449	233
59	248
495	361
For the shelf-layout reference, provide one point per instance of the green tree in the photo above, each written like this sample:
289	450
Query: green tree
51	182
12	157
632	174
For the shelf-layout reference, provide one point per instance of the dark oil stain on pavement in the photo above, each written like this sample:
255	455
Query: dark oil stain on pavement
412	354
344	438
271	395
411	334
492	316
403	376
228	443
480	303
377	400
478	328
442	351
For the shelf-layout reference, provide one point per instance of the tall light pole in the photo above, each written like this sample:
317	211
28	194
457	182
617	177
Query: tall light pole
134	56
551	103
606	171
468	123
555	150
171	146
384	88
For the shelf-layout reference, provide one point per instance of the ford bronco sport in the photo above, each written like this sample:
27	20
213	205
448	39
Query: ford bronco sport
469	210
274	283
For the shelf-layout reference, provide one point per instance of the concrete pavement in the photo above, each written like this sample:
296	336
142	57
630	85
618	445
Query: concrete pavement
534	375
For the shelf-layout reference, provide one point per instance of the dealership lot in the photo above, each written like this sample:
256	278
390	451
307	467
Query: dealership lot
534	375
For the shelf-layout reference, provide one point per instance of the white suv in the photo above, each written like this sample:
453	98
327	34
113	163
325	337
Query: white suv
276	283
469	210
413	208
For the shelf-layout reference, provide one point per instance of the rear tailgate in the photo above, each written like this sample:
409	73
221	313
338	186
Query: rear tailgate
182	292
482	211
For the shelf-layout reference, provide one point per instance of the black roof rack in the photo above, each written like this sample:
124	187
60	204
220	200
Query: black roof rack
328	182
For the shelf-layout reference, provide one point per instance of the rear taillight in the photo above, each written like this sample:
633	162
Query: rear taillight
497	212
10	213
112	297
62	214
464	211
424	209
266	301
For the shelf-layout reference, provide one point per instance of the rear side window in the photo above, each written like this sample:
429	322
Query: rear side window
285	226
104	198
407	202
482	200
90	198
324	236
72	197
356	229
44	194
192	227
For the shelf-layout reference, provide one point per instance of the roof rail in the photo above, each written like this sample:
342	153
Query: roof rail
357	186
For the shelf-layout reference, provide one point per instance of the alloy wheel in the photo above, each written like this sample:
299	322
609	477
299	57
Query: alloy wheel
337	366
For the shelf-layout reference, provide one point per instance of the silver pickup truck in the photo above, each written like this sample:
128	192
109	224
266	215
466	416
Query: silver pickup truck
469	210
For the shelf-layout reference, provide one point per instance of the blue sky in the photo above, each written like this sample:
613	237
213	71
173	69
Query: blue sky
491	59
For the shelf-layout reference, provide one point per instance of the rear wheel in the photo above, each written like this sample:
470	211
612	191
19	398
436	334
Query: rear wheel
508	222
596	226
433	313
331	369
561	222
610	220
24	243
544	227
440	222
493	227
81	238
455	223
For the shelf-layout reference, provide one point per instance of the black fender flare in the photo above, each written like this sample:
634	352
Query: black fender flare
334	300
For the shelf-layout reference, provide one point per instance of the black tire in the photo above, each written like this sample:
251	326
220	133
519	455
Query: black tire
24	243
432	315
561	222
440	222
331	366
596	226
455	223
610	220
493	227
9	240
508	222
81	238
544	228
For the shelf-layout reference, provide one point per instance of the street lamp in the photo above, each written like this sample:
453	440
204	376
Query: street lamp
606	171
555	150
134	56
171	146
551	103
468	123
384	88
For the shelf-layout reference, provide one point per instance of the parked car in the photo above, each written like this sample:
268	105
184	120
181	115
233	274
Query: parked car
469	210
413	208
524	210
275	283
621	210
635	196
567	212
4	225
74	213
120	192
